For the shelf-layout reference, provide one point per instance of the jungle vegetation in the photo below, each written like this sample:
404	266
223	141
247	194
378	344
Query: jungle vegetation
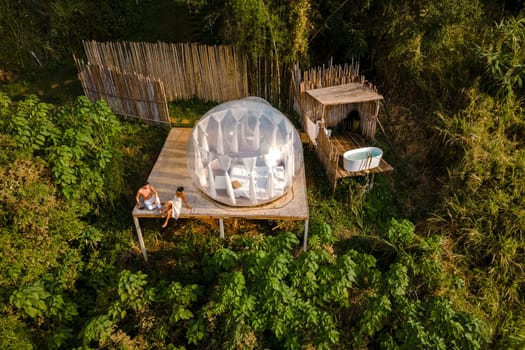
431	257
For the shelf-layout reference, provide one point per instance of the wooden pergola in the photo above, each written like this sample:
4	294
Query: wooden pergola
331	105
170	171
344	94
328	106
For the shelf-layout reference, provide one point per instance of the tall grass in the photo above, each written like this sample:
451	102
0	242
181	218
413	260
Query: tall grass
482	208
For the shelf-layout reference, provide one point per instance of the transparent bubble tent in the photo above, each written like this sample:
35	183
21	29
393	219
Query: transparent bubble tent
244	153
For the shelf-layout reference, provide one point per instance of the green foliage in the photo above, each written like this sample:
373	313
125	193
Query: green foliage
419	52
31	299
97	329
53	30
331	212
279	294
187	113
14	334
483	200
78	142
257	16
354	206
128	306
36	225
131	290
504	53
400	233
428	45
37	302
261	28
69	278
406	298
86	159
182	297
42	236
265	296
90	237
30	124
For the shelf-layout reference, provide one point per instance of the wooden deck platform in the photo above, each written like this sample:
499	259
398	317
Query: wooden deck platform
170	171
349	141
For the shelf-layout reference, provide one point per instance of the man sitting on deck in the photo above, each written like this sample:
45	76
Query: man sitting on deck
149	197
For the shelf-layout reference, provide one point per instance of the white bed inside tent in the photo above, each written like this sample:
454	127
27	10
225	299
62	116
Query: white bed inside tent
251	184
245	153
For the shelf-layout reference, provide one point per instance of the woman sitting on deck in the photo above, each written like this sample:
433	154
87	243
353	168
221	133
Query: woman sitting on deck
173	207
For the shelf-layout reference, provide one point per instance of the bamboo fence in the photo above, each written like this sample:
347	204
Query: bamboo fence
128	94
271	80
187	70
320	77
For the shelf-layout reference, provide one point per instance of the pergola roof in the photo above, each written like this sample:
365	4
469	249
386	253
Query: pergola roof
344	94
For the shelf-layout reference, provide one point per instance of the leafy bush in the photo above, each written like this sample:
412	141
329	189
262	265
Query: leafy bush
36	225
14	334
79	144
265	295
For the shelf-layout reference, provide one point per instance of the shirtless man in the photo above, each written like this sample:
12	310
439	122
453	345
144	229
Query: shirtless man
173	207
149	197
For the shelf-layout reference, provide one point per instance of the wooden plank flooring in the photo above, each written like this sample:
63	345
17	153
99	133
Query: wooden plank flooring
348	141
170	172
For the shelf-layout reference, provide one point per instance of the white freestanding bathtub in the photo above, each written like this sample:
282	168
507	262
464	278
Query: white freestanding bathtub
362	158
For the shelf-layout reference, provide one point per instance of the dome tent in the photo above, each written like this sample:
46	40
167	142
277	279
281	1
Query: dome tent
244	153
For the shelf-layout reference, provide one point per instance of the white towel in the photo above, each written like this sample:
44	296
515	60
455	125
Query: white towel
312	129
176	205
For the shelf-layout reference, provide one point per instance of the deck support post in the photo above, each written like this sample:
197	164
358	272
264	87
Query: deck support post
305	238
221	228
141	239
371	181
